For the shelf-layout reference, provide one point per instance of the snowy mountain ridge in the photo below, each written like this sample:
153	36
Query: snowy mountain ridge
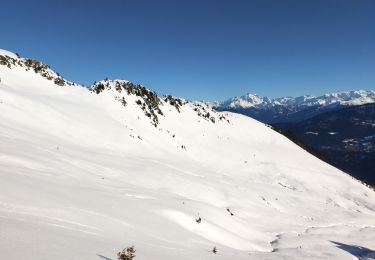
358	97
121	90
149	101
87	172
289	109
11	60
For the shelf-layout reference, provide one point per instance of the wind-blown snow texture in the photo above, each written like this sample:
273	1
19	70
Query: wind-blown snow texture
85	173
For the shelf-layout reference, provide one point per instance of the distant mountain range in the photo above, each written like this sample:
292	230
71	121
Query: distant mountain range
337	127
290	109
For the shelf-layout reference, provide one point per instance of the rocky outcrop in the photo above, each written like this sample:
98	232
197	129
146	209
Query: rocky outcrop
35	65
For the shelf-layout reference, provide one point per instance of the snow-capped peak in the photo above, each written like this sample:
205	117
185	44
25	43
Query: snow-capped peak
246	101
358	97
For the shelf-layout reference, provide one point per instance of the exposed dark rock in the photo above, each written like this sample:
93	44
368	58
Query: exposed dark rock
35	65
176	102
60	82
148	100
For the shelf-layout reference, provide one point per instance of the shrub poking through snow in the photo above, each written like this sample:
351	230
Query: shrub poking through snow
126	254
230	212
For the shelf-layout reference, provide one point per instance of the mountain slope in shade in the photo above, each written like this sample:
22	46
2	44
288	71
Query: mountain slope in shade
87	172
345	137
288	109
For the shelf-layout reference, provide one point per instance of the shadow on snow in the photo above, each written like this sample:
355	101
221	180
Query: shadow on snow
104	257
360	252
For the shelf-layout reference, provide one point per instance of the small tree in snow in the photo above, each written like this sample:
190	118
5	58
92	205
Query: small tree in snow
126	254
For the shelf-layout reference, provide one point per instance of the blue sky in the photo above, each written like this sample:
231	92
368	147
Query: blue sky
207	49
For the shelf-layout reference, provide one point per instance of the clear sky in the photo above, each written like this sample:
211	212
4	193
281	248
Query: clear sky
204	49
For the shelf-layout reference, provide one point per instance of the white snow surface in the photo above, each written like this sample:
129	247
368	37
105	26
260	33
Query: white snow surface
82	177
8	53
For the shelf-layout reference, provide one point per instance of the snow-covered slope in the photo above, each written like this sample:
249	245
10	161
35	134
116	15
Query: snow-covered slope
85	173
